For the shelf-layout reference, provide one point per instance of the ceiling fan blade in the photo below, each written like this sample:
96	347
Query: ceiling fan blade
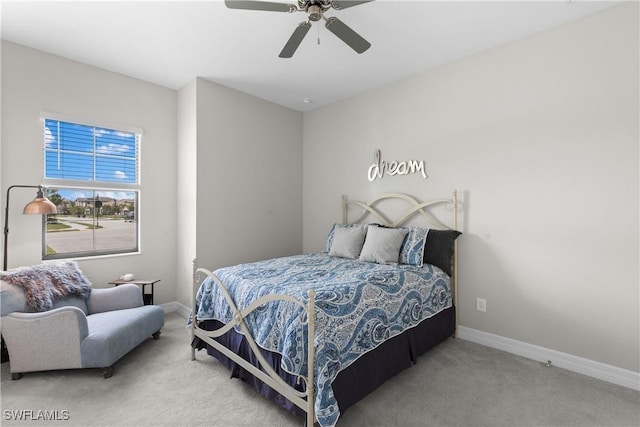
294	41
260	5
347	35
343	4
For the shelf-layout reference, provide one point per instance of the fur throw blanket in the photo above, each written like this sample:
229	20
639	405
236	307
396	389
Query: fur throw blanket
45	283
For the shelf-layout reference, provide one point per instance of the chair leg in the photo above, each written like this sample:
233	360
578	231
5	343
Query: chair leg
107	372
156	335
16	376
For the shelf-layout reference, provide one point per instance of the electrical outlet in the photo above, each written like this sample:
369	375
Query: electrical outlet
481	304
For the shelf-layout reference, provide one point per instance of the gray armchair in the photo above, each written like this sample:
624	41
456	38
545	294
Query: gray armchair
77	332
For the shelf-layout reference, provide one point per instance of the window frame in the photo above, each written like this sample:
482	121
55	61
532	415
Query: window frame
93	186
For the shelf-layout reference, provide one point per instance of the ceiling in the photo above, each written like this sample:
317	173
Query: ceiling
171	43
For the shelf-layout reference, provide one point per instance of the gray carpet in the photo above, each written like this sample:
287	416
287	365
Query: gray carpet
456	384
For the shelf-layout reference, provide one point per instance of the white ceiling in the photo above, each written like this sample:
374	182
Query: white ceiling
171	43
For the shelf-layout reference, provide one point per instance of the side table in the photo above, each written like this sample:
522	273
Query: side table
146	297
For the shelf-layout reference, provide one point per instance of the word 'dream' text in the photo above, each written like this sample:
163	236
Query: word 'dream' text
381	167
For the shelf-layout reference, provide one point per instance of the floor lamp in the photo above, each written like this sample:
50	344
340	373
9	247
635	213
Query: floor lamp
39	206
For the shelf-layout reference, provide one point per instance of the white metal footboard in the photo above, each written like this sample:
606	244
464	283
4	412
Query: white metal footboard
305	400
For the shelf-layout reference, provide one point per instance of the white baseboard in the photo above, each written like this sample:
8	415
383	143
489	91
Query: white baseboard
601	371
175	306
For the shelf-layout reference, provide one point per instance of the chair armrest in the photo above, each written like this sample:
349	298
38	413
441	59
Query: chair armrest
44	341
117	298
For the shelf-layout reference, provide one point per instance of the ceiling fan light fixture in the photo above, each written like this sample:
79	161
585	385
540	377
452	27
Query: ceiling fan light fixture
315	13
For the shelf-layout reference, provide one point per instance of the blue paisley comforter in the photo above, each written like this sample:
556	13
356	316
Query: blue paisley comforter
358	306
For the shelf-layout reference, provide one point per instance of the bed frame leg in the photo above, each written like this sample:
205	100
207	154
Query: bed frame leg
311	332
309	423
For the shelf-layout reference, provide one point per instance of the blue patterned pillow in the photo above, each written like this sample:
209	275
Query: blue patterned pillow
412	249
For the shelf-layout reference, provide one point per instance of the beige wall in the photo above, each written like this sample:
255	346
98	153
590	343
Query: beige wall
239	180
540	137
34	81
249	175
187	191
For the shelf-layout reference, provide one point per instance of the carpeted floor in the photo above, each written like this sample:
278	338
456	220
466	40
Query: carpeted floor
456	384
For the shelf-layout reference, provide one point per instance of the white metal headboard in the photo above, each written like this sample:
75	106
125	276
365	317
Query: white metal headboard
415	208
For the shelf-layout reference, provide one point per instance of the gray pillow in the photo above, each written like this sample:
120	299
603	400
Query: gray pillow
382	245
347	241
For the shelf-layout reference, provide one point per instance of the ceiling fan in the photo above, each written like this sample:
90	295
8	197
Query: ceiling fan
315	10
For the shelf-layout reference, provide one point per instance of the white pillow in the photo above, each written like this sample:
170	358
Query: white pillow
382	245
347	241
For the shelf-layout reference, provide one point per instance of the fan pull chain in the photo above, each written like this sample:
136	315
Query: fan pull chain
318	34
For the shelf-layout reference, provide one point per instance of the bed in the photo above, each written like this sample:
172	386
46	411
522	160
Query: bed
317	332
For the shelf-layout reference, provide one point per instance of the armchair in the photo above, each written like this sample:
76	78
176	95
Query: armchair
78	331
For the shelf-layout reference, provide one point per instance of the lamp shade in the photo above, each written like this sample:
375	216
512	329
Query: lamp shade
40	205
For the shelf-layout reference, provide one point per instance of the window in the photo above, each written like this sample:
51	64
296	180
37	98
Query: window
92	176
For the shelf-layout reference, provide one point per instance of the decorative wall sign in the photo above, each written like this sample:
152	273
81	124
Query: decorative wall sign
381	167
